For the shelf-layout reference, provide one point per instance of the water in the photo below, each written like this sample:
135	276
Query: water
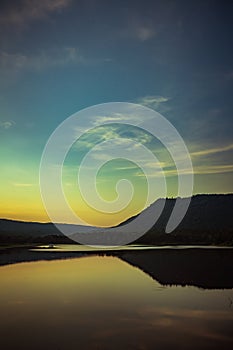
82	248
108	302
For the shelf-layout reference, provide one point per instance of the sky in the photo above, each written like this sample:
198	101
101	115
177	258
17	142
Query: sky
58	57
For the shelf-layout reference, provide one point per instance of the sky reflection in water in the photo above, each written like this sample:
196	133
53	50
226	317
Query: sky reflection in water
104	303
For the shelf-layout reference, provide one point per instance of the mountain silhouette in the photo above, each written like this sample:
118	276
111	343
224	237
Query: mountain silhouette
209	220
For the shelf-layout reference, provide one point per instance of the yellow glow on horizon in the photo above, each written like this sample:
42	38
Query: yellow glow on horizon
22	201
21	198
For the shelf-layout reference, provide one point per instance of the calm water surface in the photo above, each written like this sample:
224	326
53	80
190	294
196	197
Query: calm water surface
103	302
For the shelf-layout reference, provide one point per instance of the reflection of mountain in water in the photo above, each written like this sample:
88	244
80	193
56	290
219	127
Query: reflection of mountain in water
207	268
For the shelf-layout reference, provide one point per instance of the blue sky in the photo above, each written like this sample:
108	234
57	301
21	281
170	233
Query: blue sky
59	56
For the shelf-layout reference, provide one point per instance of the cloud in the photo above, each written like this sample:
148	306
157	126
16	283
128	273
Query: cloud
23	184
96	136
116	117
134	117
119	133
212	151
144	33
7	124
204	170
16	62
30	10
138	28
213	169
152	101
197	170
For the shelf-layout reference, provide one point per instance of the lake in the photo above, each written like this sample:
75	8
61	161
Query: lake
131	299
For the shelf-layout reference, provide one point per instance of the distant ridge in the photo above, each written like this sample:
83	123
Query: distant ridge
26	232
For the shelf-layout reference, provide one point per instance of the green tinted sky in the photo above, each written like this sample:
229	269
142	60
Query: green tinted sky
59	56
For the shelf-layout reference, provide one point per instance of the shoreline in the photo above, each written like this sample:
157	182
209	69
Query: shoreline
203	267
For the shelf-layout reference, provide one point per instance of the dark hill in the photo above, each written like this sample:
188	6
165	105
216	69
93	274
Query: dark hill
209	220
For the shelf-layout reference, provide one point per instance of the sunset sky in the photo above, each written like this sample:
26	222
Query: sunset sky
60	56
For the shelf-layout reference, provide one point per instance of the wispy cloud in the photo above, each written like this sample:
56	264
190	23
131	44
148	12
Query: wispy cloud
205	160
152	101
214	169
6	124
116	117
23	184
139	29
25	11
120	134
197	170
203	170
212	151
144	33
130	115
16	62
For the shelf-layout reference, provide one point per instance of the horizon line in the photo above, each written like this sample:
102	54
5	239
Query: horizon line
65	223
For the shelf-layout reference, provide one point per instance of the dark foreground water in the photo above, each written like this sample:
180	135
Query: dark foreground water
147	299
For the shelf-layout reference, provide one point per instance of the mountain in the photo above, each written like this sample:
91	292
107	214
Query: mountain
209	220
27	232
